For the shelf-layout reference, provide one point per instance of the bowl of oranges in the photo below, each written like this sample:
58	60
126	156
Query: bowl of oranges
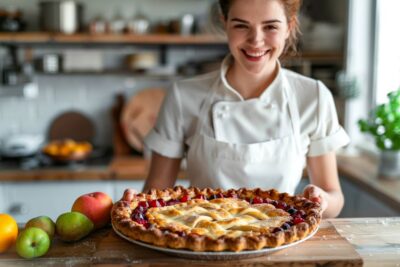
68	150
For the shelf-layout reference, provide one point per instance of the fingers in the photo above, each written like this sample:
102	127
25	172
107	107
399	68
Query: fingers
316	199
129	194
313	193
317	195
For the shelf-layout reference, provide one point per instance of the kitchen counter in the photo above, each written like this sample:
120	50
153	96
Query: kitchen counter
338	242
360	170
118	168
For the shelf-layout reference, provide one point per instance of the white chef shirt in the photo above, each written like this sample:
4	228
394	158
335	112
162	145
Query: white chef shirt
176	123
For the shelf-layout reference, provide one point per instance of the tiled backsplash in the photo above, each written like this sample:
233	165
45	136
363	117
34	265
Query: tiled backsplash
92	95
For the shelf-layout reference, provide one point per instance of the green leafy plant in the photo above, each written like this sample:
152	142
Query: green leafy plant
383	123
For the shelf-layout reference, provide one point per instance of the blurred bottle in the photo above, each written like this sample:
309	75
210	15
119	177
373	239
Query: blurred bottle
9	75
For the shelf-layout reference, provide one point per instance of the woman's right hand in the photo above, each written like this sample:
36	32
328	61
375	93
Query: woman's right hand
129	193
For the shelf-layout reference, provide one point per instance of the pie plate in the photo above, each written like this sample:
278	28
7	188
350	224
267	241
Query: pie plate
210	255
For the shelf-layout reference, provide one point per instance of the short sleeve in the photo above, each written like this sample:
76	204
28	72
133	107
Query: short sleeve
328	135
166	138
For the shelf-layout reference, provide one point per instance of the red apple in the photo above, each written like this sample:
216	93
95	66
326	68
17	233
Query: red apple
96	206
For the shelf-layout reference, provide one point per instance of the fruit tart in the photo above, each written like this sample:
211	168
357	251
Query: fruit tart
216	220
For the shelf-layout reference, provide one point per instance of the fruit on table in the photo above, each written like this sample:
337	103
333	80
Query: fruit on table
73	226
96	206
44	223
8	231
32	242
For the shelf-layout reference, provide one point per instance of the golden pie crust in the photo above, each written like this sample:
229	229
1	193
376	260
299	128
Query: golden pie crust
216	220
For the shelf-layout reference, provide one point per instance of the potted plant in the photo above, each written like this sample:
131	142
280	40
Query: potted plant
383	124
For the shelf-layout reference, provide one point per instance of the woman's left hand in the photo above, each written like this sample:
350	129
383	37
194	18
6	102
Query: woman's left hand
316	194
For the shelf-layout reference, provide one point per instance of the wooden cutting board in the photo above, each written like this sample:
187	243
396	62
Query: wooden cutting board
72	125
325	248
140	114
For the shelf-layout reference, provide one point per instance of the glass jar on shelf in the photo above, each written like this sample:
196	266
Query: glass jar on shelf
140	24
117	24
98	25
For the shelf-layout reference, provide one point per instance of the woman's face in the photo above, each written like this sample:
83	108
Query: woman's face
257	31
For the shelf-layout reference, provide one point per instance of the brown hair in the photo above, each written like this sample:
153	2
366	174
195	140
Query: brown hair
291	8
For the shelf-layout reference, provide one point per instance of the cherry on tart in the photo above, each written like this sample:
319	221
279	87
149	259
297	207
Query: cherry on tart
216	220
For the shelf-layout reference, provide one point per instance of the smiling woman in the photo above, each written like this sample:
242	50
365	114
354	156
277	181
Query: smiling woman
252	123
256	38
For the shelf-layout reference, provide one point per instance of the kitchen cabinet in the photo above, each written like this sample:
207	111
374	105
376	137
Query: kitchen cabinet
359	203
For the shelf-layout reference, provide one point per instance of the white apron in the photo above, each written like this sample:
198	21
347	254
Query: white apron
219	163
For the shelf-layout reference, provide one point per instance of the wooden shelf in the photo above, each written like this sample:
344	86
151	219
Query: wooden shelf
44	38
83	38
133	74
316	56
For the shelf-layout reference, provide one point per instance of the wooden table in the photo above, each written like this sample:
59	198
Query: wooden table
339	242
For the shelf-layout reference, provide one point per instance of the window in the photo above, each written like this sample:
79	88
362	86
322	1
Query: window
388	49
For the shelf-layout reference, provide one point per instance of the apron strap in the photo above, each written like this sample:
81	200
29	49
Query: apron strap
294	113
201	126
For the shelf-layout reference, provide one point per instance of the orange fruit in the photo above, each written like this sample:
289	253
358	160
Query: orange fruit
8	231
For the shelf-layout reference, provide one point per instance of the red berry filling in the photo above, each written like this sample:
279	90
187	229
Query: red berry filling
139	213
154	203
298	220
185	198
257	200
172	202
231	195
281	205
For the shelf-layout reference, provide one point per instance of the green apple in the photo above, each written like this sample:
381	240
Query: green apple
44	223
72	226
32	242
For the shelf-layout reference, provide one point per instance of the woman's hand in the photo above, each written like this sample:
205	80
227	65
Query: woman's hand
129	194
316	194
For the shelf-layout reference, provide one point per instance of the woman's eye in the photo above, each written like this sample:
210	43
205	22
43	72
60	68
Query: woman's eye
271	27
240	26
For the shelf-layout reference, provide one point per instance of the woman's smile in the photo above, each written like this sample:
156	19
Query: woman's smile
255	55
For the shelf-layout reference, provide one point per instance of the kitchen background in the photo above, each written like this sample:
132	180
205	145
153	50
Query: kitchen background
87	79
120	48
